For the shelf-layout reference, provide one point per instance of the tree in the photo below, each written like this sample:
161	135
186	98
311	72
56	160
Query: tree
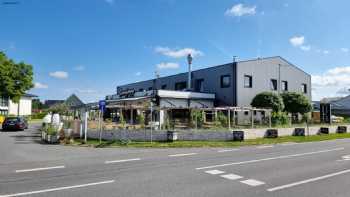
296	103
268	100
15	78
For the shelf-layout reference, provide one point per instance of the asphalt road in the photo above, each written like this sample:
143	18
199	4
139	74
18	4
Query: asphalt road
29	168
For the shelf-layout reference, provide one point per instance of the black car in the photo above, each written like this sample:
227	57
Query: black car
14	123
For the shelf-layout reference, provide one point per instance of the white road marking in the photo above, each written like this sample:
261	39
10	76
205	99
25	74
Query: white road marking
270	158
231	176
39	169
267	146
289	143
308	181
121	161
184	154
227	150
214	172
56	189
252	182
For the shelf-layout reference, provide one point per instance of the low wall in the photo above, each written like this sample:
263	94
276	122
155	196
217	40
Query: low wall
161	135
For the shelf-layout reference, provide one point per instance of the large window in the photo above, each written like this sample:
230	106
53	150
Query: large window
225	81
304	88
199	86
3	102
273	84
181	85
248	81
284	85
163	87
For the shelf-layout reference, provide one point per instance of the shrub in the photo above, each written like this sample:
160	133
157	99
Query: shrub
141	120
296	103
268	100
40	115
279	118
222	118
197	118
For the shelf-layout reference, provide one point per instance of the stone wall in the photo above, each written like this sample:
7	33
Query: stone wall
161	135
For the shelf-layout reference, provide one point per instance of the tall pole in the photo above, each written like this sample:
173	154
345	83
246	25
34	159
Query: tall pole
189	61
279	79
151	121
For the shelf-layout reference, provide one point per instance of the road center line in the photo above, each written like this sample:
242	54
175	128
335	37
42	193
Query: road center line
184	154
308	181
39	169
56	189
121	161
270	158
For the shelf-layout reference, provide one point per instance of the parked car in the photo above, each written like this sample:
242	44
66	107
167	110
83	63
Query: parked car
15	123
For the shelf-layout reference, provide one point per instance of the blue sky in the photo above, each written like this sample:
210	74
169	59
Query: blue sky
88	47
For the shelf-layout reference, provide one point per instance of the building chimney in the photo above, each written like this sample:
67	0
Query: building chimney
189	61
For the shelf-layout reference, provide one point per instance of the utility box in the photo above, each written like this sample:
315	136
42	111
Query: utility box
341	129
324	130
238	135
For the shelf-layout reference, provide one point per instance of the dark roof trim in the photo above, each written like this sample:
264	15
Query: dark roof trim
29	95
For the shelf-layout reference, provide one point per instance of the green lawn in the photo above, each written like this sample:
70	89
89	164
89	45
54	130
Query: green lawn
192	144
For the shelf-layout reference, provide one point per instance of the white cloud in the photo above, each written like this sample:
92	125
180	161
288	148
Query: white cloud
38	85
59	74
79	68
240	10
138	73
109	1
345	50
297	41
338	76
178	53
168	65
305	48
343	91
329	83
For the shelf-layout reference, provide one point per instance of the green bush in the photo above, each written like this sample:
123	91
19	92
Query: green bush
222	118
279	118
268	100
296	103
141	120
38	115
197	118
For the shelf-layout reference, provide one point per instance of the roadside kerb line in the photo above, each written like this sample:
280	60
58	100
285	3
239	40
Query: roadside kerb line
183	154
227	150
308	181
56	189
266	146
121	161
39	169
270	158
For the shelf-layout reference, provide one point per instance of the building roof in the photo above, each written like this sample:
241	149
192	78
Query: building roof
29	95
73	100
211	67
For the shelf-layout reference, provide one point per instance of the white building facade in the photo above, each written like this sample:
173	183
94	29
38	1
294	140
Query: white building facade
22	108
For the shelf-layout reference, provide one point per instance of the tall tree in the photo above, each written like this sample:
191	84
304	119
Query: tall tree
15	78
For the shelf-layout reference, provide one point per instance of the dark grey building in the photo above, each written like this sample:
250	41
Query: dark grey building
235	83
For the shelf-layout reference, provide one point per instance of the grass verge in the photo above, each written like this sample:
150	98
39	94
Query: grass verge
193	144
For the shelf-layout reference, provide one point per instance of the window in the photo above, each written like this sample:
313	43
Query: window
248	81
273	84
163	87
181	85
246	113
304	88
199	86
3	101
150	88
225	81
141	90
284	85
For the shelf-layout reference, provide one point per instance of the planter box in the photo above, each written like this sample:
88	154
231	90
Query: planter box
271	133
171	136
342	129
52	139
299	132
324	130
238	135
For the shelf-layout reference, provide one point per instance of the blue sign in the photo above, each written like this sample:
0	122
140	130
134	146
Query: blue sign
102	105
